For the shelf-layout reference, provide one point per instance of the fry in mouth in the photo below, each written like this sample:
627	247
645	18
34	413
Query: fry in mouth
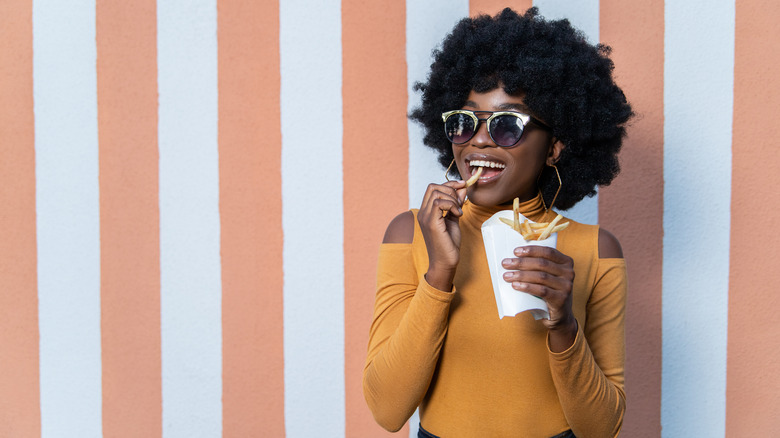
471	181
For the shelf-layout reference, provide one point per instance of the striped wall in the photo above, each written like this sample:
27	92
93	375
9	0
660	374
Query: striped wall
192	194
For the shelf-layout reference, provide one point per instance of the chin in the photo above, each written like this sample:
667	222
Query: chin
487	199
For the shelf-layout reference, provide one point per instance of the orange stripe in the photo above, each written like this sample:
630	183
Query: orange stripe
632	207
492	7
752	388
20	411
251	216
376	162
129	217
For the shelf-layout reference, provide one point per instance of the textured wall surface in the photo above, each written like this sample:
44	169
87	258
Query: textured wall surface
192	196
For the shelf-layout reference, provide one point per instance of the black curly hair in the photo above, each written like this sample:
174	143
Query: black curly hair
566	82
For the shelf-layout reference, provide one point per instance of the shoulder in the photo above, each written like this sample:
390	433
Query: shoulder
401	229
609	246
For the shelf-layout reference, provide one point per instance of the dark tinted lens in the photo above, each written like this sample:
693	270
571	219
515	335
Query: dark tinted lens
506	130
459	128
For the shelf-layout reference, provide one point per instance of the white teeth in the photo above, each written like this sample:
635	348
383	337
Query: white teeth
483	163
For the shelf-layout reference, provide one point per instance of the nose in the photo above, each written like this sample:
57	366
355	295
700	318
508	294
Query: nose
482	138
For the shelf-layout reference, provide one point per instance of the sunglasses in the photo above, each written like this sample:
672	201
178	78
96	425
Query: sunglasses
505	127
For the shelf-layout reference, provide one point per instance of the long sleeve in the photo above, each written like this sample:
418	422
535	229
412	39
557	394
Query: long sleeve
589	376
407	332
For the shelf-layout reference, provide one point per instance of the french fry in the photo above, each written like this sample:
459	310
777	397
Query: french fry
471	181
526	228
507	221
533	230
559	227
546	233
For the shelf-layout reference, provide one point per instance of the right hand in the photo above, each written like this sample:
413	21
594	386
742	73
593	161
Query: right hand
442	233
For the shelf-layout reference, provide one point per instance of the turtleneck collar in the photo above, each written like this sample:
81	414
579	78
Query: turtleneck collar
533	209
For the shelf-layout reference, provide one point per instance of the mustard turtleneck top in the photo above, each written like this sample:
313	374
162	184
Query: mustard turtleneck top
473	374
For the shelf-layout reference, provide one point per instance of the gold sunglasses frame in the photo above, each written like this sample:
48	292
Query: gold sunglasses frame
525	118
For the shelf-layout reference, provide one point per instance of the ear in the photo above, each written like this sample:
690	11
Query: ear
554	154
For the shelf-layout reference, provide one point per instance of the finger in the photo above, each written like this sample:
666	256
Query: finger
537	264
544	252
462	193
449	187
441	198
459	190
455	185
447	205
537	290
435	191
538	278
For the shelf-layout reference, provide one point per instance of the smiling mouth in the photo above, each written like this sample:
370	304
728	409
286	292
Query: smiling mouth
490	169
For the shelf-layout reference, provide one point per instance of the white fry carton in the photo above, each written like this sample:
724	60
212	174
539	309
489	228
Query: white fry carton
500	242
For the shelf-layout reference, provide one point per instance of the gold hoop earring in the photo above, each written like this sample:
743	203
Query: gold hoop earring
447	172
560	185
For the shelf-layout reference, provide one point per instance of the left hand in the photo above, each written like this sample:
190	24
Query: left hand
548	274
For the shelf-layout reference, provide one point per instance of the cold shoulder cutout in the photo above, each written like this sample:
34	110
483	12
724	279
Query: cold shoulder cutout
401	229
609	246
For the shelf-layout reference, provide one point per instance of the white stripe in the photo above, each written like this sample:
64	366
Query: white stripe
191	319
312	218
427	23
583	15
68	217
698	99
414	424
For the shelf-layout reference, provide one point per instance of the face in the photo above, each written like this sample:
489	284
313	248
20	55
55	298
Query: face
508	172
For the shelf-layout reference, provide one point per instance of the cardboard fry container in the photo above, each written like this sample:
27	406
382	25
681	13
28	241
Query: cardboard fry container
500	242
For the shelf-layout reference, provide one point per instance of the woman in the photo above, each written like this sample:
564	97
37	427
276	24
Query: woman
528	101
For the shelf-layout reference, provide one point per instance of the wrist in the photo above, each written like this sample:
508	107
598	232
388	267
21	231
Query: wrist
563	335
439	278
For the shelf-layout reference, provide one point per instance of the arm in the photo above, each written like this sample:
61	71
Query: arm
408	328
412	310
589	376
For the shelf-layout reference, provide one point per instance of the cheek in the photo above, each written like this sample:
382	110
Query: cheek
456	164
533	151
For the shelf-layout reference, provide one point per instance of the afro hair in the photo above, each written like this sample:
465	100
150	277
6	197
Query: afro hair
564	80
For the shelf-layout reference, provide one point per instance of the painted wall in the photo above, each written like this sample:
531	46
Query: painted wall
192	195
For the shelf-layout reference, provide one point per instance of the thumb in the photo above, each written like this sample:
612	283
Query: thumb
461	195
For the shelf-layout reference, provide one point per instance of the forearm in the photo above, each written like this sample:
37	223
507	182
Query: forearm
403	355
593	403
